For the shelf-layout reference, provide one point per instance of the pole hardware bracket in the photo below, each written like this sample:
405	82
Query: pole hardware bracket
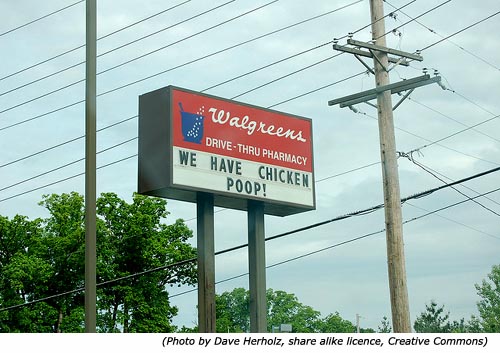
397	87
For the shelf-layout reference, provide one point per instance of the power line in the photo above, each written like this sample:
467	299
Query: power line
227	48
138	57
455	134
455	44
40	18
426	169
311	226
472	102
133	117
217	85
67	164
83	46
414	19
211	87
453	119
66	179
347	172
464	186
287	75
372	23
317	89
436	142
460	31
450	206
175	67
64	143
297	96
132	156
455	221
301	95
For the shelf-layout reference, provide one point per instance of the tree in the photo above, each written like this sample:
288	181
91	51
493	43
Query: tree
436	320
40	259
45	258
335	323
489	305
135	240
20	272
385	326
433	320
233	314
284	308
232	310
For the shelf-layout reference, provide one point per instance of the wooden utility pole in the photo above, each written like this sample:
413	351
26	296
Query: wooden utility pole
392	198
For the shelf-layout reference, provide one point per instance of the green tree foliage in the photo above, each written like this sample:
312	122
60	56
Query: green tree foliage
233	314
385	326
489	305
335	323
43	258
285	308
232	311
433	319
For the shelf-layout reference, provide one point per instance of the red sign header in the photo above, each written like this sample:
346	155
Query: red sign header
239	131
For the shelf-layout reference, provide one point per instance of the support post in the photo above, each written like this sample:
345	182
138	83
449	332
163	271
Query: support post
206	263
90	168
393	217
257	266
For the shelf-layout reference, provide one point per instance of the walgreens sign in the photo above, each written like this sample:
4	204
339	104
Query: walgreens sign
233	150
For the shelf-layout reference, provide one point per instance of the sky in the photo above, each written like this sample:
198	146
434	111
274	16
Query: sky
455	132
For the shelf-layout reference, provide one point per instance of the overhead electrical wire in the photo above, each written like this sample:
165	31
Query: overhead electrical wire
301	95
413	19
123	46
311	226
455	221
170	69
426	169
372	23
455	44
140	56
287	75
437	142
453	119
284	101
64	143
460	31
135	116
465	200
452	180
67	164
83	45
211	87
432	142
450	206
224	82
121	160
40	18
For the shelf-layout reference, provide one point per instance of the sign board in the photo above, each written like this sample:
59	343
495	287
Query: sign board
191	142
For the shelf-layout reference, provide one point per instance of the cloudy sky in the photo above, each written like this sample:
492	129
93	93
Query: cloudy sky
280	56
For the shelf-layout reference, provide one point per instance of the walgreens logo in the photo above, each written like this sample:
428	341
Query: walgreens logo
219	116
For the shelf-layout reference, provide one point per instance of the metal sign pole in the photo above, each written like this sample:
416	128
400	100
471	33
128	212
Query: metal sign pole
206	263
90	168
257	266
